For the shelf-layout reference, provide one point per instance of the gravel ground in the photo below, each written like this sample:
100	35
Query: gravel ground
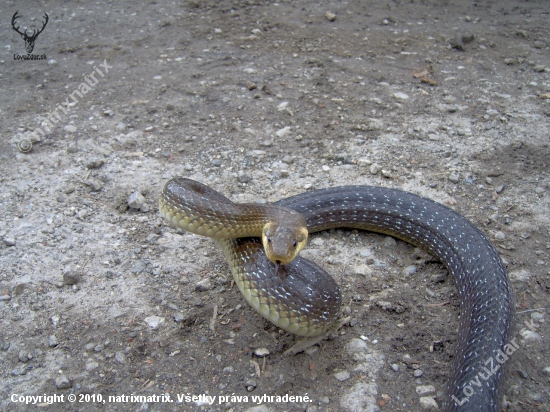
261	100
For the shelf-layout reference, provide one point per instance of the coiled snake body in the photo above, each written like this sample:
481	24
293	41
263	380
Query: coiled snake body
301	298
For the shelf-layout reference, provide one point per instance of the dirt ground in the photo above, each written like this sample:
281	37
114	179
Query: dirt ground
261	100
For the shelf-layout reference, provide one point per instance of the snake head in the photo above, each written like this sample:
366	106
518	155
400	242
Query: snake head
282	243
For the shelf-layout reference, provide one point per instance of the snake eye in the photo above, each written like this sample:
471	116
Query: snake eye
267	234
295	244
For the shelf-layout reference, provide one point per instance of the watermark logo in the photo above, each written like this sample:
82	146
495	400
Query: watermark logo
491	367
49	120
29	38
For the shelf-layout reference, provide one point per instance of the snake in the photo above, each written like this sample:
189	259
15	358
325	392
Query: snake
299	297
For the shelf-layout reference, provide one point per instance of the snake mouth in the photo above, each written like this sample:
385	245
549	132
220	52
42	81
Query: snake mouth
277	264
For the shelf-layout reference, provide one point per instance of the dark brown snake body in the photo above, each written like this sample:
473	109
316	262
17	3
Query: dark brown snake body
303	299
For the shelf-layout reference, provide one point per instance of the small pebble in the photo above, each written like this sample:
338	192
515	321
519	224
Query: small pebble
342	376
154	321
244	179
395	367
356	345
228	369
94	184
428	403
70	279
537	316
120	357
261	352
317	241
389	242
62	382
409	270
401	96
52	341
500	235
91	366
330	16
311	350
19	370
454	177
363	270
203	285
530	335
251	384
135	200
70	128
374	169
523	374
537	397
95	164
24	356
9	241
72	148
418	373
423	390
461	131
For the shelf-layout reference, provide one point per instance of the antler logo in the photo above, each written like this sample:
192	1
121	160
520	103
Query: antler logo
29	40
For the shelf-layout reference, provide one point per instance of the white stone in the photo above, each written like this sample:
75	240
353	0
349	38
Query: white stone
135	200
521	275
342	376
318	241
261	352
423	390
401	96
363	162
363	270
356	345
91	365
283	132
428	403
154	321
530	335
